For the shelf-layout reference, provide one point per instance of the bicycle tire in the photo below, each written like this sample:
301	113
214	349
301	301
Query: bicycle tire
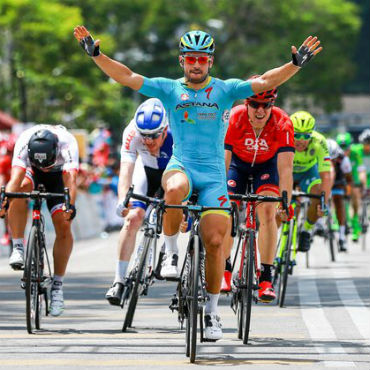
42	292
248	286
193	285
31	284
134	296
286	264
331	237
238	292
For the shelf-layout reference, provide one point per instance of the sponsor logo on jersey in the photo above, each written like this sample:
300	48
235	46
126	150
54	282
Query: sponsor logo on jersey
222	200
187	119
208	91
265	176
196	104
163	155
231	183
40	156
184	97
250	143
226	116
207	116
130	136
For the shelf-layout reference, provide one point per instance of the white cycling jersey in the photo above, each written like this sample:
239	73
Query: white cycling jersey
133	145
67	156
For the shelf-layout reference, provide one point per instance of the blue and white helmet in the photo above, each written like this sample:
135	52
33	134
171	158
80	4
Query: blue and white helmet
150	117
197	41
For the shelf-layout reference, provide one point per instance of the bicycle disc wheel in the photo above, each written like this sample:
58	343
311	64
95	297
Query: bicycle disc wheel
134	295
248	286
193	287
31	284
286	264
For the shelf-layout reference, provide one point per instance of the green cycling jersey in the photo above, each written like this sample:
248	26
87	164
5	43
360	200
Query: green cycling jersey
316	153
360	161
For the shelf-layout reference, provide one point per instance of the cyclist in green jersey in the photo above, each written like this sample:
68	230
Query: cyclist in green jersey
355	154
364	139
311	170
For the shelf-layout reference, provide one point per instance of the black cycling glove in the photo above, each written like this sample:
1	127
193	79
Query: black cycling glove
88	44
302	57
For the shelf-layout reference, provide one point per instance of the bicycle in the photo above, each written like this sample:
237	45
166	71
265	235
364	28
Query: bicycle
191	294
37	275
146	268
245	280
287	247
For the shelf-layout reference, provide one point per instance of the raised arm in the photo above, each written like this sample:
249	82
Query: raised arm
115	70
277	76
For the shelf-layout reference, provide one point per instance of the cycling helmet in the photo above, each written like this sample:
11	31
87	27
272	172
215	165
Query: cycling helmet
150	117
197	41
269	94
364	138
344	140
303	122
42	149
335	150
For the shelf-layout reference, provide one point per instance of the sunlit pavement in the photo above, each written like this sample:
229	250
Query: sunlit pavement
325	322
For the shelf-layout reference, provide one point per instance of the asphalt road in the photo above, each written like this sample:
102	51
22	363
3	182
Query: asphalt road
325	323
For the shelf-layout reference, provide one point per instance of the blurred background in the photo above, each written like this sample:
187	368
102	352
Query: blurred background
45	77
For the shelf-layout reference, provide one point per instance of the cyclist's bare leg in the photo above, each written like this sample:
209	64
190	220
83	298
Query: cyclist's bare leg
312	215
127	236
63	243
340	209
267	235
214	228
356	199
176	188
17	214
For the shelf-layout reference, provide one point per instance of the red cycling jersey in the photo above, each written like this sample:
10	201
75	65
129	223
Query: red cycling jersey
277	136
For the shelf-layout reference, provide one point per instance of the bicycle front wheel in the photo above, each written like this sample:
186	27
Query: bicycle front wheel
331	237
137	281
286	264
31	275
248	285
192	302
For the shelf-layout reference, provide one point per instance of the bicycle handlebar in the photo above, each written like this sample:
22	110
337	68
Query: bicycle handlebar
35	194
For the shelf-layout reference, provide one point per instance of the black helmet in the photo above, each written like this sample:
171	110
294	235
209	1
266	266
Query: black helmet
42	149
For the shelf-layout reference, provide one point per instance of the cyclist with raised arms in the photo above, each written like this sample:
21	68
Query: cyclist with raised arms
145	152
199	106
354	152
311	170
260	142
47	155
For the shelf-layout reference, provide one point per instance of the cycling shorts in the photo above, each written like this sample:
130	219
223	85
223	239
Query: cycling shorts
306	180
53	183
209	180
265	176
146	181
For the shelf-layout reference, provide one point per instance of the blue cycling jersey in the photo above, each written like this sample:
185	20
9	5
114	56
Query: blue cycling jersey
198	118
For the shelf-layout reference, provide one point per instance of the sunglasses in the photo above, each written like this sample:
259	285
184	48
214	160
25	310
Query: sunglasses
255	104
192	60
302	136
151	136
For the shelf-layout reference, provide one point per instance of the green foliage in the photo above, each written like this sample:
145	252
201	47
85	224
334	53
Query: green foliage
46	77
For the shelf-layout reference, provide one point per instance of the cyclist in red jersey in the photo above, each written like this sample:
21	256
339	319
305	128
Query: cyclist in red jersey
260	142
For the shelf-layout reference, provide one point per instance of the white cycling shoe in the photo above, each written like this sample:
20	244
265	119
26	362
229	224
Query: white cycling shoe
16	260
56	302
212	327
169	266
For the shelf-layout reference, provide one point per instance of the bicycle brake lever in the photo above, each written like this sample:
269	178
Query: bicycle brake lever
128	196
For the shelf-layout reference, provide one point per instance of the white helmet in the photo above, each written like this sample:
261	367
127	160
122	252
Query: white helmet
335	150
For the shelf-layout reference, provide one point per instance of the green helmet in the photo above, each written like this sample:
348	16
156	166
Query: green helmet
344	140
303	122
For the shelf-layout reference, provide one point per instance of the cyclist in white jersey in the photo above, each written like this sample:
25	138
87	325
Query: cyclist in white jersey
47	155
145	152
198	106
